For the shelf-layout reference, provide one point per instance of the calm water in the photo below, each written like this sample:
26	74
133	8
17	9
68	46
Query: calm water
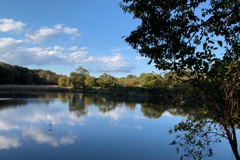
74	126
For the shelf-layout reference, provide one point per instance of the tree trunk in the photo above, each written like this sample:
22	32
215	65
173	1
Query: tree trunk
233	141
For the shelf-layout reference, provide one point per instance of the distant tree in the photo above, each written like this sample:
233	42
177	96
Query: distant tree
122	81
90	81
150	80
132	80
49	77
105	80
78	78
64	81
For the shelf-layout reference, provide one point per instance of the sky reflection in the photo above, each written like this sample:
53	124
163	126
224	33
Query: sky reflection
52	122
69	123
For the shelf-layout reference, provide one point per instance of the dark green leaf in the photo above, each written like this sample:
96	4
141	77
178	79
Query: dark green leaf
220	43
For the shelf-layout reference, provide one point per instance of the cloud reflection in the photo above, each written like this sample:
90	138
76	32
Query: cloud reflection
56	123
45	136
9	142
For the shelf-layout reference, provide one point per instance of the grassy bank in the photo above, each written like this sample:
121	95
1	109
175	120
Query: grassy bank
12	87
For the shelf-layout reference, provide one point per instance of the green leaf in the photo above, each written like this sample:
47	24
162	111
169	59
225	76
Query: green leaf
204	45
209	41
150	62
219	43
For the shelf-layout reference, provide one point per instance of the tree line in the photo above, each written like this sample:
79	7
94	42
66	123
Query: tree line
14	74
82	79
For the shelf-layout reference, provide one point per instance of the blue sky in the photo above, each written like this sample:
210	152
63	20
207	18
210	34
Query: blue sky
60	35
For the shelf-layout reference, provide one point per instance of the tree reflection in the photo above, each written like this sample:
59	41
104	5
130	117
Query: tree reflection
11	103
130	105
206	127
107	106
152	110
77	105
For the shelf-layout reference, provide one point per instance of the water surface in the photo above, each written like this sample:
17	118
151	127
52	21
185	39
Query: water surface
76	126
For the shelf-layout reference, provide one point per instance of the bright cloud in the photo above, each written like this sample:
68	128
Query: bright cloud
67	30
42	34
8	25
8	43
111	64
71	31
45	33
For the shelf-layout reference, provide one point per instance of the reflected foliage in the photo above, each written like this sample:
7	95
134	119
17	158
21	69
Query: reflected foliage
77	105
195	136
151	110
185	37
204	128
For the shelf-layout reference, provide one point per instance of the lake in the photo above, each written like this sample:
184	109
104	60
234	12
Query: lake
71	126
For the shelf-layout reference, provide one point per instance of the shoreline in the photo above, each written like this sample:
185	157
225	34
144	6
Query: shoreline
13	87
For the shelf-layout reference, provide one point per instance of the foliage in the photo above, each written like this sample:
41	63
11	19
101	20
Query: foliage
90	81
64	81
78	78
151	110
20	75
184	37
150	80
128	81
197	137
49	77
172	32
105	81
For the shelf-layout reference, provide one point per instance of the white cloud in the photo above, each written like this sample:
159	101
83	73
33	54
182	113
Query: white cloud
7	25
46	33
40	55
73	48
116	64
42	34
71	31
12	51
31	50
111	64
67	30
8	43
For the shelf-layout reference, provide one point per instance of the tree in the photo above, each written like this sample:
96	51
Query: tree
64	81
132	80
185	37
150	80
105	81
90	81
48	77
78	78
172	32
